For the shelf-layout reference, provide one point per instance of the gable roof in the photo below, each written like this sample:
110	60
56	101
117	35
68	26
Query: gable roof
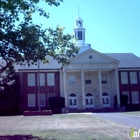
127	60
52	65
94	51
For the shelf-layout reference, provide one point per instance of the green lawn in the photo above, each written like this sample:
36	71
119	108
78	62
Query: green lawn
61	127
136	113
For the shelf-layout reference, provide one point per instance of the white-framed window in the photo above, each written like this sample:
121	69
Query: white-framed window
50	79
135	97
50	95
133	77
31	79
31	100
88	78
42	79
126	93
124	78
104	78
72	79
42	99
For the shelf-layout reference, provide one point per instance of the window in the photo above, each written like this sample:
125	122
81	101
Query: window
31	100
87	81
50	95
50	79
42	99
124	78
104	78
133	77
135	97
42	79
88	78
80	35
31	79
126	93
72	79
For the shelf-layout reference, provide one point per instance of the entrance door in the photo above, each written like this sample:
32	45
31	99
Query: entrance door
106	102
73	101
89	101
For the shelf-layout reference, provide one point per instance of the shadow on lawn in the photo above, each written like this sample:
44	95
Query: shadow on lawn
22	137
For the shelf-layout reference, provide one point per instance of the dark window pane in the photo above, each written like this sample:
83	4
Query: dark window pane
70	101
86	101
87	81
107	100
104	82
75	103
80	35
91	101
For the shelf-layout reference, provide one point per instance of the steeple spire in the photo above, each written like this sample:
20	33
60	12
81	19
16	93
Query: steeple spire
78	11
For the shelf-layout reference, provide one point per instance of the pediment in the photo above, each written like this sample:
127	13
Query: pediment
91	56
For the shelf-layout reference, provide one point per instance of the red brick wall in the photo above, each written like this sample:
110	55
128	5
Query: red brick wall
130	87
25	89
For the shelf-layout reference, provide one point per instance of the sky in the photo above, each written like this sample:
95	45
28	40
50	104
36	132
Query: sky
112	26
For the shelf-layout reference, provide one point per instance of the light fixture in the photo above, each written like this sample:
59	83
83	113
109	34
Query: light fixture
97	97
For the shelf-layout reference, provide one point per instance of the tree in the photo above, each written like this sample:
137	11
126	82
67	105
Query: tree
27	42
9	92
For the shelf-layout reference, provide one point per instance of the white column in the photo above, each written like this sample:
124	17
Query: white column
117	88
83	88
100	89
65	89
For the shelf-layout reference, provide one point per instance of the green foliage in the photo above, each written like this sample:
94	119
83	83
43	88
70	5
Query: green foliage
27	42
9	90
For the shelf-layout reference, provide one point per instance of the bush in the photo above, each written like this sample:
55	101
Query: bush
123	100
56	104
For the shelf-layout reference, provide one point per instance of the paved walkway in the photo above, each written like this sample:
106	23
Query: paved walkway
133	121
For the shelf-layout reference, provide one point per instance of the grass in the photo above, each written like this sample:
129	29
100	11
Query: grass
61	127
136	113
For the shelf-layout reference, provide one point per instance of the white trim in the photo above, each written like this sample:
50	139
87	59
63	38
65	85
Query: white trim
92	50
35	70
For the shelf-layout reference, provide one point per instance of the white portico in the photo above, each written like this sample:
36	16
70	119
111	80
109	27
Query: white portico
90	81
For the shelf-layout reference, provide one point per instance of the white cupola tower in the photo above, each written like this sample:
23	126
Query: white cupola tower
79	33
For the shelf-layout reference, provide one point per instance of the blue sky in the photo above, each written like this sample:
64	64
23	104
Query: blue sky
111	25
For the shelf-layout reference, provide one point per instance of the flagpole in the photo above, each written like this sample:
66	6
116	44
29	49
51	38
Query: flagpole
39	85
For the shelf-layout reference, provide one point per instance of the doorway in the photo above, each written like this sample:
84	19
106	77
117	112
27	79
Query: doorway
89	101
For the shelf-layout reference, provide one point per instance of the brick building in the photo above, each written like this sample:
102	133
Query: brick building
90	81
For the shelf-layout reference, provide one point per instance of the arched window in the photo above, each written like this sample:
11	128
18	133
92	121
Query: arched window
105	94
72	95
89	94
